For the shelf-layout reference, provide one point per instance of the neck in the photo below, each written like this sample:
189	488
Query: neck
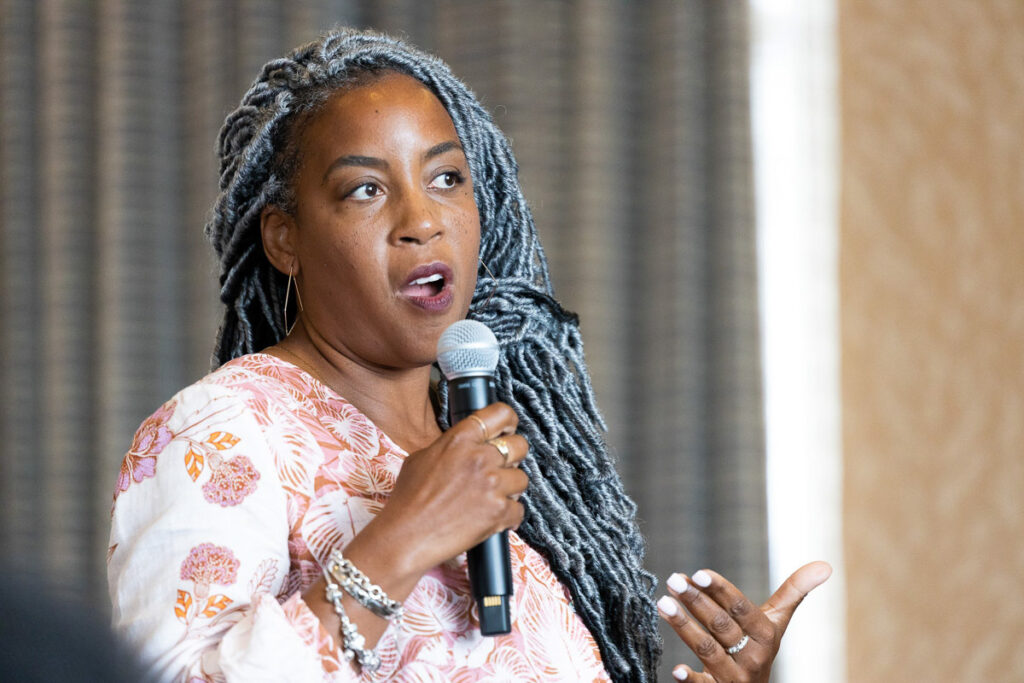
397	400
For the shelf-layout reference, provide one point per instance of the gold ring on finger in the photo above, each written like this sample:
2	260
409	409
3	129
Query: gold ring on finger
738	646
502	447
483	427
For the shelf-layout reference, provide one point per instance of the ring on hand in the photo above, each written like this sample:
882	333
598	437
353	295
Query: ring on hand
502	446
483	427
738	646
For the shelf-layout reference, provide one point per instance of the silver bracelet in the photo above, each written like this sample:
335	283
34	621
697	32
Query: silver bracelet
355	583
352	641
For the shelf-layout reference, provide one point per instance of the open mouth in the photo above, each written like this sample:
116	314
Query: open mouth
429	287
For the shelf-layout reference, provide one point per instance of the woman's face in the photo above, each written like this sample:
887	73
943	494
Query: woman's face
386	230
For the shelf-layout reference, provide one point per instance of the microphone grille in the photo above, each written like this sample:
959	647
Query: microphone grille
467	347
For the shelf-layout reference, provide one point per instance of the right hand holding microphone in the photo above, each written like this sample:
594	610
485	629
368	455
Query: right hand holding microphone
461	496
461	489
448	497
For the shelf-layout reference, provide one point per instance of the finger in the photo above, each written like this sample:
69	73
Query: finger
497	419
703	644
721	625
738	616
513	515
513	481
780	607
685	673
515	445
518	513
502	509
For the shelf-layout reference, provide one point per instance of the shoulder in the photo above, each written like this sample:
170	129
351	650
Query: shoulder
245	385
253	377
206	420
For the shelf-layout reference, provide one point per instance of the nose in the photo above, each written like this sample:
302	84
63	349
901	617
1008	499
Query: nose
418	220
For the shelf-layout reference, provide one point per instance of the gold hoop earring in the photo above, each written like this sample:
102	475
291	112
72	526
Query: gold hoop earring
298	297
287	292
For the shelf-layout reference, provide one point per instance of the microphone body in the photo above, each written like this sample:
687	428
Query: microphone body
470	388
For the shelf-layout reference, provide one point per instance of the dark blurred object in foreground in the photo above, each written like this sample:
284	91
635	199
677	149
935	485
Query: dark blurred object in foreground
44	638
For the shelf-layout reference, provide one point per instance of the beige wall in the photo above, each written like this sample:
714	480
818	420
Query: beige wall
932	297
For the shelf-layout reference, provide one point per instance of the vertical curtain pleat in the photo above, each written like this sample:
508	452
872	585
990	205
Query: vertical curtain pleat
261	32
210	80
138	330
631	125
736	437
21	441
591	261
696	443
668	410
66	153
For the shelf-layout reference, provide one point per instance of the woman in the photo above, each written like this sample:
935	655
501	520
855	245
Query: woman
363	182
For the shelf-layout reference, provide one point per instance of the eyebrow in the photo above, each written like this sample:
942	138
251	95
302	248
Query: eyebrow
374	162
441	148
354	160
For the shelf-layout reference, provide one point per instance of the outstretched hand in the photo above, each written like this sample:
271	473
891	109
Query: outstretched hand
736	640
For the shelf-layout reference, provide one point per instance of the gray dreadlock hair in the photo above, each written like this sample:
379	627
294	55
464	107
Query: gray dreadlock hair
577	514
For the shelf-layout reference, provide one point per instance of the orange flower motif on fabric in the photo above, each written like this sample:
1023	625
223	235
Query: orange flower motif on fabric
150	440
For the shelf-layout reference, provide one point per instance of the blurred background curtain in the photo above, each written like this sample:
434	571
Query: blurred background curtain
631	125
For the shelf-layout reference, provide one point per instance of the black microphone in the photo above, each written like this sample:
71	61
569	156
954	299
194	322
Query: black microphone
468	354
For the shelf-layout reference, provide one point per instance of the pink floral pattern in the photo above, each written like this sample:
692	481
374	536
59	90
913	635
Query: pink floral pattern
150	440
205	565
208	563
325	472
231	482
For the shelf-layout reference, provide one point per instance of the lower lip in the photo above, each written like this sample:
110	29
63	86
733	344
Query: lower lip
438	303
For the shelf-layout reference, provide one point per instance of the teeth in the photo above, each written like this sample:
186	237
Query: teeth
430	278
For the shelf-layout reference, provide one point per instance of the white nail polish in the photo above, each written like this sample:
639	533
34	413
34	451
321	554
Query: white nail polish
677	582
679	674
667	605
701	578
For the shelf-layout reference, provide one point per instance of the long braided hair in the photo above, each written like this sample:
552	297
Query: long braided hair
577	514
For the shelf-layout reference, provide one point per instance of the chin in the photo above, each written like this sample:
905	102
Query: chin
422	351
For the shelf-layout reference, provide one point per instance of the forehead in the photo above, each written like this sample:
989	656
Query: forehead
389	114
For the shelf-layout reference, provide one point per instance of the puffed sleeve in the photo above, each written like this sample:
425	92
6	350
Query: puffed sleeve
199	553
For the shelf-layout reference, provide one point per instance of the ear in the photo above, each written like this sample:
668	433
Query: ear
278	231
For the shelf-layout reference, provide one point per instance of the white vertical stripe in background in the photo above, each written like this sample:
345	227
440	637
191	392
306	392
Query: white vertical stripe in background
794	56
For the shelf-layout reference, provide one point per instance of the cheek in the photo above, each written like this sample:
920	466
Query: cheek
338	239
469	225
471	247
469	250
350	268
472	232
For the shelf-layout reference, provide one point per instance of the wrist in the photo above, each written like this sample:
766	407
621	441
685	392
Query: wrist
390	555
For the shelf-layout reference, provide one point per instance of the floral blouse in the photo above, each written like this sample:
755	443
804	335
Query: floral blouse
231	496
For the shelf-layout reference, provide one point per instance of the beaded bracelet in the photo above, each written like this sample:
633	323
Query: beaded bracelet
352	640
356	584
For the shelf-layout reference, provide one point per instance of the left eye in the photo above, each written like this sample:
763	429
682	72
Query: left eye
447	180
366	191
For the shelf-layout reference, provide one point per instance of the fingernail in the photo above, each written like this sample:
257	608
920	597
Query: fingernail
677	582
667	605
679	674
701	578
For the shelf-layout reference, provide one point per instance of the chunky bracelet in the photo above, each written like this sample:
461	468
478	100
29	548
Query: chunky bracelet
355	583
352	640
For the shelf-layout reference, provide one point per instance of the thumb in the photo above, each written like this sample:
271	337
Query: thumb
780	607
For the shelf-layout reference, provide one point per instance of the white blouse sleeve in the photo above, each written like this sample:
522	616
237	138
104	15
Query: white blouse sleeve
199	550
